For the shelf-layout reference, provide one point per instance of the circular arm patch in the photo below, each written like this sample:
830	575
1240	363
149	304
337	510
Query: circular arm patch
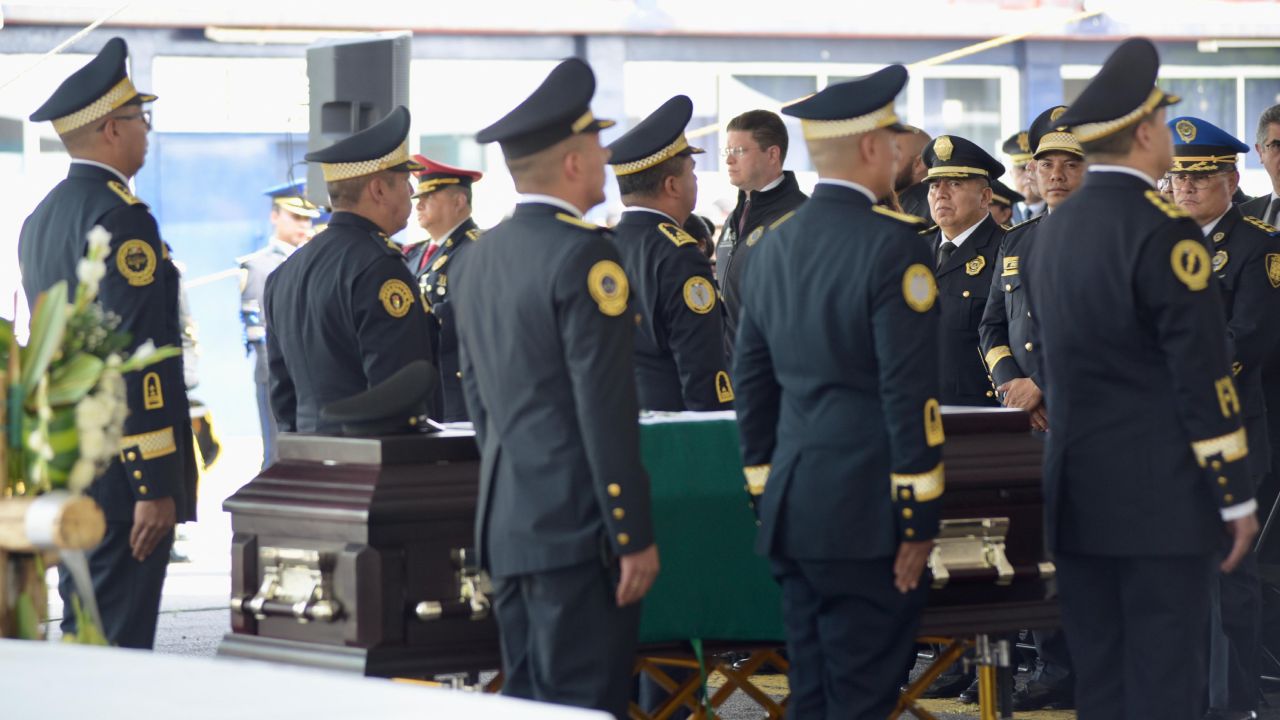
699	295
608	286
136	261
396	298
919	288
1191	264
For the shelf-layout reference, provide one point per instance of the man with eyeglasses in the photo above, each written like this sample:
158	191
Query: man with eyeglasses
1246	261
1267	207
98	115
757	147
1019	148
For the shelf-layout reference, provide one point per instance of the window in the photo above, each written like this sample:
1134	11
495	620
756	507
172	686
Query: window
749	92
1212	99
1259	94
968	107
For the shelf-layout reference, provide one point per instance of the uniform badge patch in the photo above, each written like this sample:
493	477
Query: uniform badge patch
1191	264
919	288
439	263
724	388
1219	237
1010	266
136	261
699	295
396	298
1220	259
755	236
943	148
1273	269
152	393
933	435
1186	130
608	287
974	266
676	234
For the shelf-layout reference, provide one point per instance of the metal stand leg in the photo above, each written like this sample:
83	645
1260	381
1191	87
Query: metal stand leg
995	678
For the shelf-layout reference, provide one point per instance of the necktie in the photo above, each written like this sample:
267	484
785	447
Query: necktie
742	219
1272	211
944	253
426	256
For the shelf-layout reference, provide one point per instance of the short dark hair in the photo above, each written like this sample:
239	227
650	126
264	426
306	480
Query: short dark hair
648	182
766	129
346	193
1115	144
1268	117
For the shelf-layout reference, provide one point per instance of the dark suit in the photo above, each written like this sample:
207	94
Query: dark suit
679	333
546	349
156	459
836	373
342	316
734	248
1246	261
1257	207
915	201
1146	442
435	285
254	269
964	283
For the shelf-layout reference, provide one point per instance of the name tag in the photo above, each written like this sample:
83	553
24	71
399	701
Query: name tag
1010	266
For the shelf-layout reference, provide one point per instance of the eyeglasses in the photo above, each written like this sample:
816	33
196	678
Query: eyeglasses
738	151
1197	181
144	115
1272	146
1164	184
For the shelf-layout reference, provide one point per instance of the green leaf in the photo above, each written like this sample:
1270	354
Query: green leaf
26	618
47	325
74	379
161	353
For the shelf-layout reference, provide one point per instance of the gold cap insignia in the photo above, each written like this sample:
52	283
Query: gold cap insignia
1186	130
919	288
974	266
396	298
136	261
1057	113
1191	265
1273	269
608	287
699	295
943	147
1024	142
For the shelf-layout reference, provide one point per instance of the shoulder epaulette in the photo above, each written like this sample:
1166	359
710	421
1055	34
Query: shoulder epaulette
474	234
577	222
1260	224
907	218
119	188
782	219
1005	228
1165	206
1024	223
925	231
676	234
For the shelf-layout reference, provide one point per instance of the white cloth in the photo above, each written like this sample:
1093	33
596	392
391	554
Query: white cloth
104	166
549	200
851	185
641	208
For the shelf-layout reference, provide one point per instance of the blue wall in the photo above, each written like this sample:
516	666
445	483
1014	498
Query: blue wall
206	192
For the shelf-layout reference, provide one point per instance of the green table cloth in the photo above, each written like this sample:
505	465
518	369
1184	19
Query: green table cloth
712	586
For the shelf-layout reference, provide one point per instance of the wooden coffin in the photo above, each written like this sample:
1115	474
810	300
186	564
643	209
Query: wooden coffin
350	554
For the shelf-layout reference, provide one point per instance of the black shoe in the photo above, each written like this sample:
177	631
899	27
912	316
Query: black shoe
948	686
970	694
1038	697
1216	714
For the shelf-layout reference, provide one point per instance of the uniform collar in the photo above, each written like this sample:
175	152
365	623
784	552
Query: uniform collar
452	230
641	209
1126	170
1206	229
959	239
849	184
565	205
104	166
775	183
281	246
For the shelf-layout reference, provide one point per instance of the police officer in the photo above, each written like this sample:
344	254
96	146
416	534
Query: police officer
1007	340
1003	201
964	243
1019	148
849	556
291	217
562	521
1146	457
679	355
99	116
444	211
1246	261
343	313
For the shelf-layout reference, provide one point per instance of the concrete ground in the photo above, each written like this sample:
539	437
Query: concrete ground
194	614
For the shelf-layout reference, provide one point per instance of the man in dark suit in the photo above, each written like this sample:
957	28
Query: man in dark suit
1246	261
964	244
757	148
99	116
344	313
911	189
1146	457
444	211
1007	341
562	521
830	421
291	217
1267	206
679	335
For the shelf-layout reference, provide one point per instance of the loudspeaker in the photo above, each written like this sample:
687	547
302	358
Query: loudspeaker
354	84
